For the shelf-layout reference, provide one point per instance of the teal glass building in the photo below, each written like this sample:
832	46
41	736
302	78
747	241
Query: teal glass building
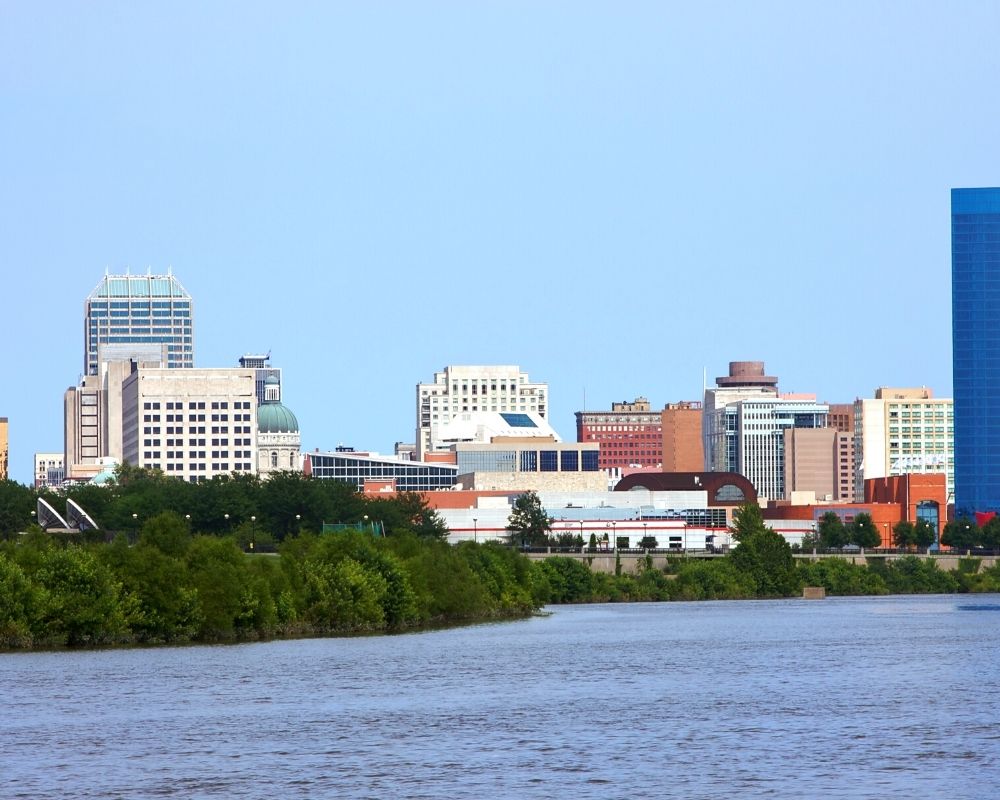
975	302
127	312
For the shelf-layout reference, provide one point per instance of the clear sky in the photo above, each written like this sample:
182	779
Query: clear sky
614	196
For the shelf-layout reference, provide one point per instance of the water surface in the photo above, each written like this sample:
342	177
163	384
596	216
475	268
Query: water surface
842	698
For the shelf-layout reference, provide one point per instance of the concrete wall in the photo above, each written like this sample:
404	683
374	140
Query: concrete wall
631	562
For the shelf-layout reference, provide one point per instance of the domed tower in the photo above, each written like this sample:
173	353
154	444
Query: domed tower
278	438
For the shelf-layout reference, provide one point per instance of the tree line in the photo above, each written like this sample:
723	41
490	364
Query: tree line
176	586
761	566
237	505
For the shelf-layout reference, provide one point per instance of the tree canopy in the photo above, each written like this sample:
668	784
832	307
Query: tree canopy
528	523
238	505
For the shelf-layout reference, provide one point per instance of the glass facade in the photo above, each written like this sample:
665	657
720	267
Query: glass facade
975	299
129	310
410	476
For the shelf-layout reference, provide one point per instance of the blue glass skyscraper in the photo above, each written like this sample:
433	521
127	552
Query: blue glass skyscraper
975	303
128	311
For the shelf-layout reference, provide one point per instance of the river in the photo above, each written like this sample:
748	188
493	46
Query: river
891	697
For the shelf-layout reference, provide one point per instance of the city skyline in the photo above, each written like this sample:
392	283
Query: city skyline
616	202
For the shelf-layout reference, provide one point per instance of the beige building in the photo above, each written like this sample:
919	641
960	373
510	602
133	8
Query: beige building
49	469
818	461
92	414
458	390
4	449
903	431
190	423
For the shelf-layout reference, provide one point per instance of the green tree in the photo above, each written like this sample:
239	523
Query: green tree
763	555
991	533
747	520
863	532
20	605
82	598
648	542
831	530
528	523
962	534
903	534
924	534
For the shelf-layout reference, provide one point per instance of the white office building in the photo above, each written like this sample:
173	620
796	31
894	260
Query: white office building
190	423
458	390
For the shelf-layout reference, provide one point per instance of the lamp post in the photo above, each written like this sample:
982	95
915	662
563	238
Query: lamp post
135	525
614	531
581	530
253	530
366	520
475	529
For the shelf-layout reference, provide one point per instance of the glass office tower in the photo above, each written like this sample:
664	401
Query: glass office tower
127	313
975	302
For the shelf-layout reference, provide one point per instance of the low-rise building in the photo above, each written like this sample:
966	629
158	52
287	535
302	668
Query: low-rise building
513	464
49	470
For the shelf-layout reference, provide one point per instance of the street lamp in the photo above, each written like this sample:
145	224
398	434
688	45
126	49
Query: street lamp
366	520
253	530
475	529
135	524
614	531
581	530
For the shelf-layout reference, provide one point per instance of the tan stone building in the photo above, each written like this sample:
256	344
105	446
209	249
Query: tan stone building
903	431
817	461
4	449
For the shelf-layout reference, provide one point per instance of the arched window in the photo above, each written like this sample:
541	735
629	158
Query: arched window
274	459
729	493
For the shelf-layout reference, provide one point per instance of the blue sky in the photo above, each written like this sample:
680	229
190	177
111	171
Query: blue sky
616	197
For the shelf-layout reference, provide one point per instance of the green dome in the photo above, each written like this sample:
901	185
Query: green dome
273	417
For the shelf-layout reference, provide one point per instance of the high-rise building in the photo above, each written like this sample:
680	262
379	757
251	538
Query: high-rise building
900	432
92	411
819	461
190	423
4	449
126	312
975	298
682	445
746	381
630	435
459	390
760	427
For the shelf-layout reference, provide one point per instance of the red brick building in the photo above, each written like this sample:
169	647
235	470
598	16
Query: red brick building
629	435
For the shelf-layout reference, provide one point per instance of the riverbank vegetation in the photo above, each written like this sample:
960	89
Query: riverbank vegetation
762	566
174	587
198	573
